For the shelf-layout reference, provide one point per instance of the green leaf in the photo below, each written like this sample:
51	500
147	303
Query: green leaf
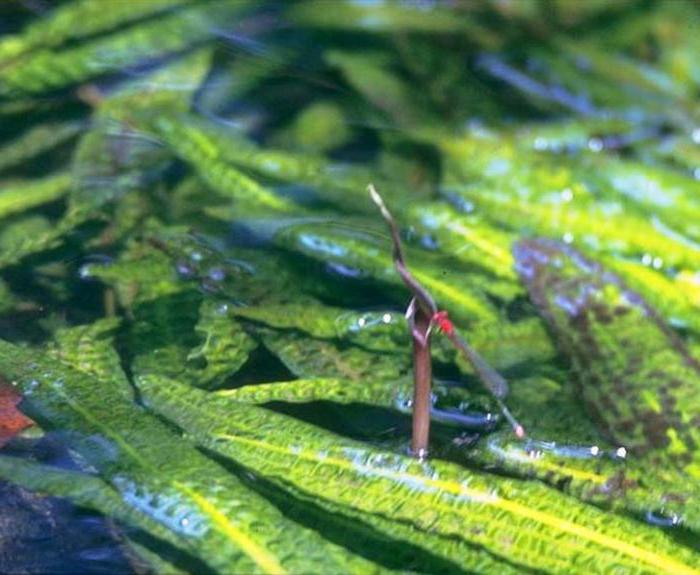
531	525
225	348
77	20
163	476
44	70
90	349
19	197
35	141
636	377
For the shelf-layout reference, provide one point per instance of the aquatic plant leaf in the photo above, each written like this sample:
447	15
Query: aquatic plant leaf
242	275
506	518
359	254
163	476
20	242
319	128
637	378
21	196
141	274
44	70
119	154
7	299
672	297
376	392
565	450
371	75
307	357
90	349
151	560
37	140
222	177
225	348
378	18
382	331
77	20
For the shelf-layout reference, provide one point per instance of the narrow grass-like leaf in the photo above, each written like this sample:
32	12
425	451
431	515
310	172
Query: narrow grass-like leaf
37	140
160	474
77	20
22	196
44	70
532	526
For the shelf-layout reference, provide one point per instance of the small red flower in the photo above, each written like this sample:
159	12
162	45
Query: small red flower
443	322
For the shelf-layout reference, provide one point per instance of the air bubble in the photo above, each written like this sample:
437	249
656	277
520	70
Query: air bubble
85	272
696	135
661	520
184	270
595	145
540	144
31	387
217	274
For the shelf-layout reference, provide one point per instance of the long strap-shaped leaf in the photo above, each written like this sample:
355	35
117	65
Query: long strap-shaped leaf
160	474
532	525
23	196
76	20
44	70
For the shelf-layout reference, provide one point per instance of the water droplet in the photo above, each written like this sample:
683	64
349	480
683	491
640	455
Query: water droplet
85	272
429	242
343	270
184	270
647	259
621	453
30	387
540	144
696	135
386	318
567	195
222	309
696	173
361	322
568	238
595	451
657	263
196	256
661	520
595	145
217	274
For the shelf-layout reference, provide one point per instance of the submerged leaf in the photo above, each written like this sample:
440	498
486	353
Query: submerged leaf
531	526
637	378
19	197
161	475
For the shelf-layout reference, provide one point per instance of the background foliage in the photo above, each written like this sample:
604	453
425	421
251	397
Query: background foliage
198	302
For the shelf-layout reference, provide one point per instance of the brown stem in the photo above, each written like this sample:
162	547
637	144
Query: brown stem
421	314
422	378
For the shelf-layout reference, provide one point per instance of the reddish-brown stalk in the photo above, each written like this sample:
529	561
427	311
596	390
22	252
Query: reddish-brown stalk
422	314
